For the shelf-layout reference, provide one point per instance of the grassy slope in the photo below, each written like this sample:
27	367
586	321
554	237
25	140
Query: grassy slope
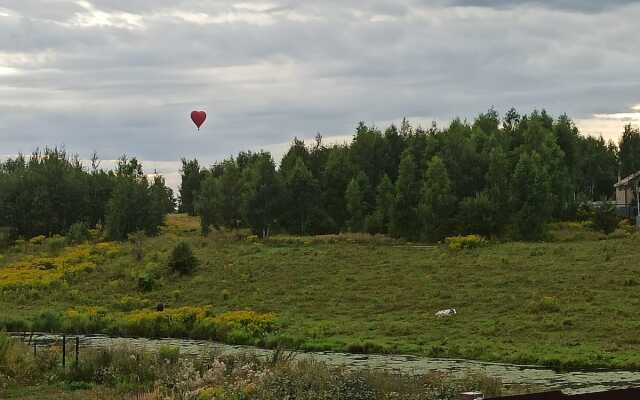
571	304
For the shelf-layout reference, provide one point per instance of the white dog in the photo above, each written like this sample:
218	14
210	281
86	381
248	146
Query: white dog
449	312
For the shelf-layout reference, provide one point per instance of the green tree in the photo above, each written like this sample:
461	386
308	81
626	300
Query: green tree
437	203
182	259
629	151
379	220
531	197
191	179
210	204
336	178
497	192
355	200
303	197
404	214
262	195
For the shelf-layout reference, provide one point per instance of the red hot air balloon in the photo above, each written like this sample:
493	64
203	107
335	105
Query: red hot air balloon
198	117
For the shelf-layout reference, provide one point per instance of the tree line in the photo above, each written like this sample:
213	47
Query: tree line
50	191
492	176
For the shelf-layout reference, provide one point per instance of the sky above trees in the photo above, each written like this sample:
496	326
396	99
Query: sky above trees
122	76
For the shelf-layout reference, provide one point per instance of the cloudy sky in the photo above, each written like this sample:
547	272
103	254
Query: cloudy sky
121	76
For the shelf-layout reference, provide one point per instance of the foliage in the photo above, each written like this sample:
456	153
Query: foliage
629	150
531	197
182	259
465	242
192	177
122	372
404	214
261	195
77	233
437	203
332	189
134	205
36	271
355	200
605	218
50	191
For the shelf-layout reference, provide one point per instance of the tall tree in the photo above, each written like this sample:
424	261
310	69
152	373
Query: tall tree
629	151
337	175
531	197
191	178
379	220
210	204
303	197
262	195
404	214
355	198
437	203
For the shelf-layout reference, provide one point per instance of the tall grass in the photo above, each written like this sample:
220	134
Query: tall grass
168	375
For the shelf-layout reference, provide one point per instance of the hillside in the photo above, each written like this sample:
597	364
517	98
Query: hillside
570	303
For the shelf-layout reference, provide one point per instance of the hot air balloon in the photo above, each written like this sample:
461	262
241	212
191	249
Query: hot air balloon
198	117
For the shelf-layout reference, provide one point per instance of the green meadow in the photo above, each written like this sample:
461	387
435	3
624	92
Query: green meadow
570	302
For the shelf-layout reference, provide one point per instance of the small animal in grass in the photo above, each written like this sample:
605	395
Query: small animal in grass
160	307
449	312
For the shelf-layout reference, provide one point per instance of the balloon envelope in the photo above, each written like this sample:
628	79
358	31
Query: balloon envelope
198	117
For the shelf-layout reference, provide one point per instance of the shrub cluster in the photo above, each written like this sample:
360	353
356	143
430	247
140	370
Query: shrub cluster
465	242
237	327
34	270
182	259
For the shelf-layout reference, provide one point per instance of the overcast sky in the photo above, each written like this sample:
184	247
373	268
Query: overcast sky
122	76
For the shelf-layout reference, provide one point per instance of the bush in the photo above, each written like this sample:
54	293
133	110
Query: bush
182	259
465	242
55	244
627	226
605	218
146	281
37	240
48	321
77	233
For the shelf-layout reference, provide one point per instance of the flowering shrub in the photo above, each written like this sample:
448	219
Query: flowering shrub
33	271
85	320
240	327
170	322
465	242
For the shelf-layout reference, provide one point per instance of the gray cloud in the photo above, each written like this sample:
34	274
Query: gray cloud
122	76
589	6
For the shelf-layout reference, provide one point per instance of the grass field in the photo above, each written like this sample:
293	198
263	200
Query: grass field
569	303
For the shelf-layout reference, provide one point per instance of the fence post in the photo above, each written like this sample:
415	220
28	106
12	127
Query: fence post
64	350
34	348
77	350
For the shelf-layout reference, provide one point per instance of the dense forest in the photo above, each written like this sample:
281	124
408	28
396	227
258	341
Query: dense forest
495	177
50	193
